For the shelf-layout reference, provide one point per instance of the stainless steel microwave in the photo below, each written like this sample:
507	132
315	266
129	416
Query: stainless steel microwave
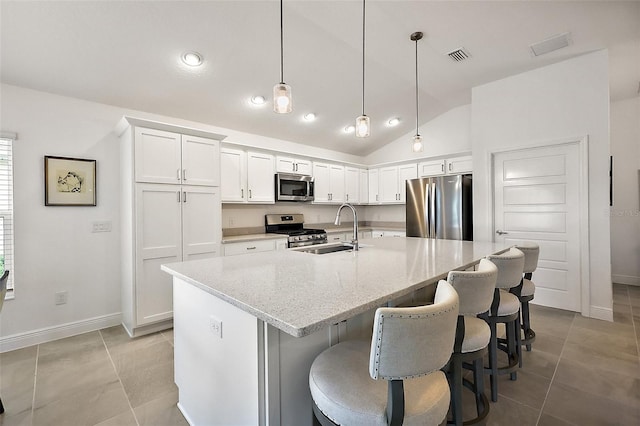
290	187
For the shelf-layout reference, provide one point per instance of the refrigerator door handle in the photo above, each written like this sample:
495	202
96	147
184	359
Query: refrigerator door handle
432	210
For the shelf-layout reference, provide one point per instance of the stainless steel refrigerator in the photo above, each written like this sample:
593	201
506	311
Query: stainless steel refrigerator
440	207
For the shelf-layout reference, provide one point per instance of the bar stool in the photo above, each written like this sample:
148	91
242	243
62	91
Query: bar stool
505	309
526	290
475	291
408	348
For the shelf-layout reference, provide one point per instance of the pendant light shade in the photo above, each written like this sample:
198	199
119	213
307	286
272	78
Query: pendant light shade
416	145
282	101
362	123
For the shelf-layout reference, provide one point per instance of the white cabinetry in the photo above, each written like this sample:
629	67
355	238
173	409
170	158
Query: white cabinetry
374	186
170	212
247	177
392	182
352	185
293	165
363	186
334	237
329	183
455	165
254	246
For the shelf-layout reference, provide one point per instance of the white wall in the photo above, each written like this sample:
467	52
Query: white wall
449	133
564	100
54	247
625	213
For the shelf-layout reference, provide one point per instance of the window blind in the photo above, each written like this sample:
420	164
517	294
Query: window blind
6	209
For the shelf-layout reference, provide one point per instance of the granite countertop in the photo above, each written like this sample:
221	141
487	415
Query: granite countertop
300	293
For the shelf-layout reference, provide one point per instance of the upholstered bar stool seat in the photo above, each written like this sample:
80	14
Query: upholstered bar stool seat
475	291
395	379
505	309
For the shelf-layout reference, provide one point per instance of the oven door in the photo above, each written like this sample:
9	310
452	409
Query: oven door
294	187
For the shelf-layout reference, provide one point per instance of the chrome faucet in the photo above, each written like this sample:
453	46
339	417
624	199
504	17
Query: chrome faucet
354	241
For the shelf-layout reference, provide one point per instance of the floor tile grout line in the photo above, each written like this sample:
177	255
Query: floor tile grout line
113	364
555	371
35	382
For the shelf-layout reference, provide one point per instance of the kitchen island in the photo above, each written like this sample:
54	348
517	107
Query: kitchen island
247	328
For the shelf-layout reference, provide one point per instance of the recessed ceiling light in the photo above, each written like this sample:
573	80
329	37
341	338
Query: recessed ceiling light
309	117
193	59
349	129
258	100
393	122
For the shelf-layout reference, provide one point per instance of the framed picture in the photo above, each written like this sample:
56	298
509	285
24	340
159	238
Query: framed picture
69	181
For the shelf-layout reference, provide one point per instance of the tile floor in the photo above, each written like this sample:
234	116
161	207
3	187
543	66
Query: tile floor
580	372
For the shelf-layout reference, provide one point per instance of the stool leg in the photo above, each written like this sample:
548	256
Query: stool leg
493	362
516	330
478	381
511	343
456	390
526	323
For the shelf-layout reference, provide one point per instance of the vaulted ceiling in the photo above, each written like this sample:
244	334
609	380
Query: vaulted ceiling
127	53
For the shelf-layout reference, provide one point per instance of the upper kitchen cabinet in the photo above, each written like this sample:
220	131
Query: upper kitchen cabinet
168	157
247	177
374	186
363	186
457	165
351	185
329	183
293	165
392	182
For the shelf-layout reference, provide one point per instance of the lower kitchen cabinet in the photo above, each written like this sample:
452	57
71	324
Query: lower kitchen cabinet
254	246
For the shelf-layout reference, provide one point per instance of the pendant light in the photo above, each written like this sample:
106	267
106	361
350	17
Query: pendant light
282	91
362	122
417	139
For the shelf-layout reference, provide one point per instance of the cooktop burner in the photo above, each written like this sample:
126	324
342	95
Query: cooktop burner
293	226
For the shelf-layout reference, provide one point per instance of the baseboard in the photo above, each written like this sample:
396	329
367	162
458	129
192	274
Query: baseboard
598	312
625	279
43	335
184	413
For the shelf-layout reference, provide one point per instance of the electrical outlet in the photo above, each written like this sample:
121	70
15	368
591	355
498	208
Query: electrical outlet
215	325
101	226
61	297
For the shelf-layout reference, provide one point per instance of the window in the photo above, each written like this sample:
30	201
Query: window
6	209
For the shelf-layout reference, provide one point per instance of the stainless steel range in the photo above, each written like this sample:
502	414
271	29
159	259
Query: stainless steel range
293	226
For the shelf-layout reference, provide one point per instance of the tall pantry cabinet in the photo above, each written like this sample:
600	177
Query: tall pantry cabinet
170	212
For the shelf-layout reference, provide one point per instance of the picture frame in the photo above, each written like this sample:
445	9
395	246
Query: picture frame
69	181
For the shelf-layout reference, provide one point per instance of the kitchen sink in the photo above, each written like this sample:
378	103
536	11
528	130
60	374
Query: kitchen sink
324	249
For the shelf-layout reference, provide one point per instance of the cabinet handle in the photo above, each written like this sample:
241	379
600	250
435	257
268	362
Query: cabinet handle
449	166
241	192
178	193
442	165
249	193
347	197
251	248
295	167
376	197
184	197
184	174
178	173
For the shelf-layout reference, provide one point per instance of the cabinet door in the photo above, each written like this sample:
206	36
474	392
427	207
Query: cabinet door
336	237
431	168
201	222
374	195
322	182
363	184
158	241
200	161
260	178
245	247
233	175
460	165
405	172
389	185
303	167
157	156
352	184
285	164
336	176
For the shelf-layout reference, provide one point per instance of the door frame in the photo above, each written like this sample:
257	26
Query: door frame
585	256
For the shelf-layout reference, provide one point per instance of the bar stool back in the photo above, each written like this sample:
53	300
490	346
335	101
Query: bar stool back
408	348
475	291
527	290
505	309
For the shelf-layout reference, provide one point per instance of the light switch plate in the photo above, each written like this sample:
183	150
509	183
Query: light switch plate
215	325
101	226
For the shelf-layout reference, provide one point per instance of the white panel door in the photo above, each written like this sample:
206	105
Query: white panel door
374	186
260	178
157	156
233	175
158	241
388	185
537	199
201	227
405	172
200	159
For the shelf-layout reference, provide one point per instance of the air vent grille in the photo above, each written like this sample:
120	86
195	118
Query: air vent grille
459	54
552	43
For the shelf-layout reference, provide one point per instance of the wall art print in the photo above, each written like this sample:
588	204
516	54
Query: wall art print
69	181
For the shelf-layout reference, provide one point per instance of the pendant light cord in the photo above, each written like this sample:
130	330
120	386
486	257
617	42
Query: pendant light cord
363	46
416	87
281	46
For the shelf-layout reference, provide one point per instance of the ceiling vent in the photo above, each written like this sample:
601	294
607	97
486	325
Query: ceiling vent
549	45
459	54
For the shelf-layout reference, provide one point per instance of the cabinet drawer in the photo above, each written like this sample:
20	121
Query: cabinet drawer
335	237
232	249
